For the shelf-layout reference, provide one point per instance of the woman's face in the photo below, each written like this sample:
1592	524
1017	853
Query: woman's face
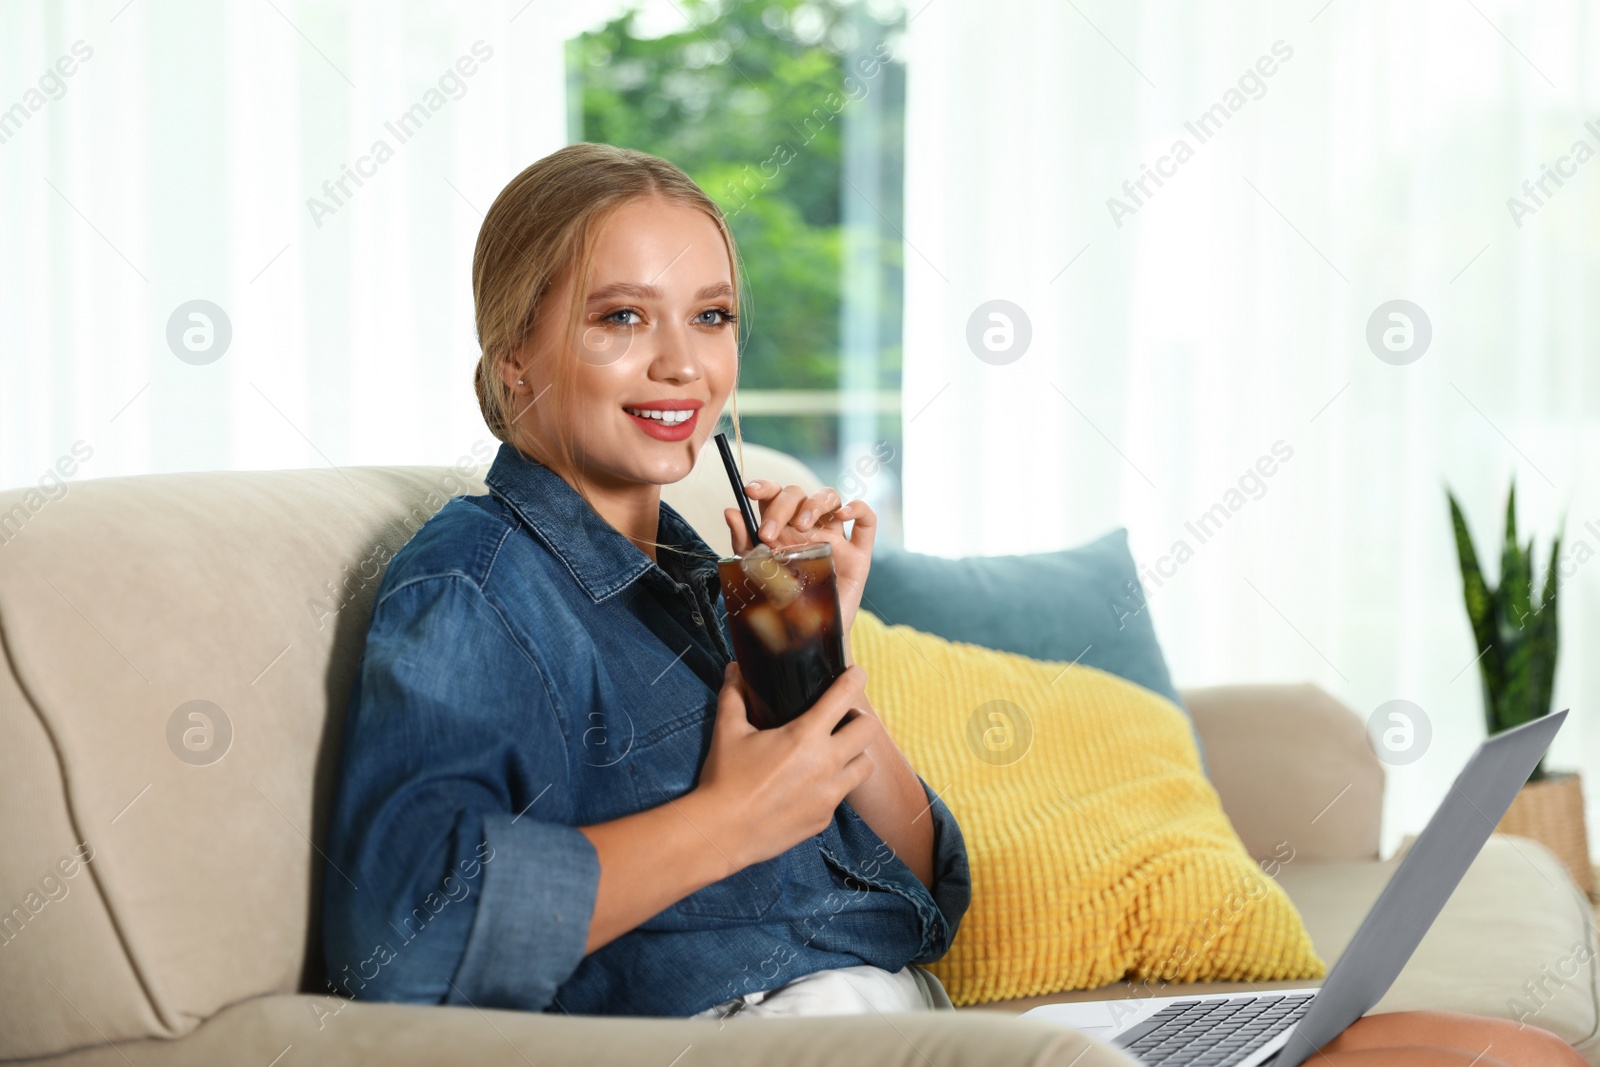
655	334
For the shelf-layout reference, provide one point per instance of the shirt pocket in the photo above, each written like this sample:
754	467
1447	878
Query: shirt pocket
666	765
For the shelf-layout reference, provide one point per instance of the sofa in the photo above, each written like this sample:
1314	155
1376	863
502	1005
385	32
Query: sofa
178	649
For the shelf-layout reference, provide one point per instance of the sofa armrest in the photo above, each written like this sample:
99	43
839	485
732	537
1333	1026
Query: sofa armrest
1294	769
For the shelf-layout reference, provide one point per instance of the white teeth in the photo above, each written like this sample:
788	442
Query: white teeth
670	418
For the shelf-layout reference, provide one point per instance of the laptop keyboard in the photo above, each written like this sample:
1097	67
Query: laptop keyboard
1211	1033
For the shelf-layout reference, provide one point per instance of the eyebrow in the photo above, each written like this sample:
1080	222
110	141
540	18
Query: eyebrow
650	292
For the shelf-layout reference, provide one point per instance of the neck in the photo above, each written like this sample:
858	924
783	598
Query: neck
633	508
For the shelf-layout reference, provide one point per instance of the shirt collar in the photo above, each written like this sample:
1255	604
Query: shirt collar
596	553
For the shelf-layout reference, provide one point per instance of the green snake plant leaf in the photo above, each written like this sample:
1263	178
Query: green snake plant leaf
1511	517
1517	635
1544	638
1515	594
1479	600
1515	699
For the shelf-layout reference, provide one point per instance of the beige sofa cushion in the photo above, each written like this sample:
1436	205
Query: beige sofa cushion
1516	918
299	1030
61	945
123	601
1294	769
1515	915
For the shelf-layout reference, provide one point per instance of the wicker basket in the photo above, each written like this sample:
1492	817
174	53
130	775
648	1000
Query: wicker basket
1550	811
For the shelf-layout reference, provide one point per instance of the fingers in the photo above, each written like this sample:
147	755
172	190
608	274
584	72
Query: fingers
855	736
818	507
741	537
731	715
777	509
792	506
786	508
865	530
856	772
847	691
865	518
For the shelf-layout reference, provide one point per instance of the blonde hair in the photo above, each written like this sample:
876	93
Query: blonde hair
540	231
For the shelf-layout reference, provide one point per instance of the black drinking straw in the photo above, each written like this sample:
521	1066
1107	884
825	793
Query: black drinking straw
738	489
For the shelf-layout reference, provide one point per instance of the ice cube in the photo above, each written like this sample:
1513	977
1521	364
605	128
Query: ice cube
767	625
807	616
777	582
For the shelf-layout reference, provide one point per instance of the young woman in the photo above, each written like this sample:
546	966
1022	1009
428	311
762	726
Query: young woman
550	796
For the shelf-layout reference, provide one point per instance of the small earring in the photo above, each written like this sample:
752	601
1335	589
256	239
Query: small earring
519	381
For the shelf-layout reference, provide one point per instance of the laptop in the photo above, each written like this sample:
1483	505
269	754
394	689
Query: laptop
1285	1027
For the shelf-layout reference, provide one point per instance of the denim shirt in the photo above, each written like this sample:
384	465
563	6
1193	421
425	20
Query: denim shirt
529	670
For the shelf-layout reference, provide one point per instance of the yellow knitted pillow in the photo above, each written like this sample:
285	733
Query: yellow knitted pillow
1098	849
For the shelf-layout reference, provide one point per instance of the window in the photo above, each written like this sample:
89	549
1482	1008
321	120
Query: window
790	115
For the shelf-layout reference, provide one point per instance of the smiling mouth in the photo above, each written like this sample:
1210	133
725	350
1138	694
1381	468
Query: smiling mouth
666	424
666	418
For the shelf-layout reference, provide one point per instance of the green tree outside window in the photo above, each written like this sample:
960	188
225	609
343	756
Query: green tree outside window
790	114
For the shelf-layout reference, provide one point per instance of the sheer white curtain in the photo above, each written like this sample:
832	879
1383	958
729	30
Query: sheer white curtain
1334	157
201	151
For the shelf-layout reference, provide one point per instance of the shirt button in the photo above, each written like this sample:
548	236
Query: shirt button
698	621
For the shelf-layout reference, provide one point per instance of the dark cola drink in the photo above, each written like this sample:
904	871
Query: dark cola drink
783	613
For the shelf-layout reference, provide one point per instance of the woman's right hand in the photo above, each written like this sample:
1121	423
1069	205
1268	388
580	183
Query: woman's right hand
774	788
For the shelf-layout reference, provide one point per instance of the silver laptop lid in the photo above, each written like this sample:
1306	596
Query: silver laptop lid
1418	890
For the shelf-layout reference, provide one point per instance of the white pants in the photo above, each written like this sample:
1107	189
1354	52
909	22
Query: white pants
840	991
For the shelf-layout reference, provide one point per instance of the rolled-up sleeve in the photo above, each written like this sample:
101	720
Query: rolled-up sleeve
455	872
952	877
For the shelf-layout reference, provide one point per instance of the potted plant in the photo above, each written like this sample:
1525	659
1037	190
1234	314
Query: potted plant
1516	638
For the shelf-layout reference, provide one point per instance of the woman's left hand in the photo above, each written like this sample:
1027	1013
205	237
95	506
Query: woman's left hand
790	516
